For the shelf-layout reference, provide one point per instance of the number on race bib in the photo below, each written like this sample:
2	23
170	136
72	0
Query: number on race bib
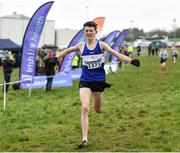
94	65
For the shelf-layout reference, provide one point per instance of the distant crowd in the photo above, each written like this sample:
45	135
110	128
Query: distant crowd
47	64
45	60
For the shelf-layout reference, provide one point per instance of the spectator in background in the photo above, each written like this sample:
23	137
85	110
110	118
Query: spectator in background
0	61
125	50
157	46
149	49
138	49
153	49
75	63
8	64
174	54
163	58
130	49
39	63
49	69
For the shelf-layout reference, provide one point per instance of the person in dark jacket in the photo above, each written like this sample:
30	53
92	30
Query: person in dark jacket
49	69
0	62
8	64
138	48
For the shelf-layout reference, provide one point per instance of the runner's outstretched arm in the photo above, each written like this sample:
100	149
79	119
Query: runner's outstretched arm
68	50
120	56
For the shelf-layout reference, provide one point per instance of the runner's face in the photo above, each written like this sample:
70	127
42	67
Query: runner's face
89	32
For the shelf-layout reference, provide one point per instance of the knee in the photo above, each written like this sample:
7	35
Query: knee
85	109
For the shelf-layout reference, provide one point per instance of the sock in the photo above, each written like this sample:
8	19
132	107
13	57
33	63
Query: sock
85	138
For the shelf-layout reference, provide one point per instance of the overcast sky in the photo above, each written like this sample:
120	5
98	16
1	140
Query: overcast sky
120	14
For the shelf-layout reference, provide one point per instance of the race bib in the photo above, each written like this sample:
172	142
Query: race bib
93	61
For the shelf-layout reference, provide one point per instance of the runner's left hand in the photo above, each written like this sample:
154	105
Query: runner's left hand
135	62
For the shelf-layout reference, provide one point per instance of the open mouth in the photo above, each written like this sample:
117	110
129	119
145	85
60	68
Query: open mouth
89	36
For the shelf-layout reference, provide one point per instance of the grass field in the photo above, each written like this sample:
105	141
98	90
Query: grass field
141	112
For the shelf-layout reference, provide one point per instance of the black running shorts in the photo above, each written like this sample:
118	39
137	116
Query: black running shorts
96	86
162	60
175	56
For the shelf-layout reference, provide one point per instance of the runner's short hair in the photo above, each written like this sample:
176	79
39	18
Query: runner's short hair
90	24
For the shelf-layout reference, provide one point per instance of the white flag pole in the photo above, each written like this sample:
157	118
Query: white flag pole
30	89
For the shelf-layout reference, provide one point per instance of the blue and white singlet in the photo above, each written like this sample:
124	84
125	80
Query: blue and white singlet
93	64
